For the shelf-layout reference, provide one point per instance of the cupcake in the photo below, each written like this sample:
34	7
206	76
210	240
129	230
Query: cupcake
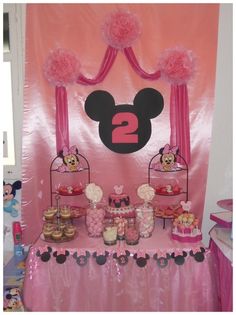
47	233
52	209
48	227
69	231
65	213
56	235
62	226
49	214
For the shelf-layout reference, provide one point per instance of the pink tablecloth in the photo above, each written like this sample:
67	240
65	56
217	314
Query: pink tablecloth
50	286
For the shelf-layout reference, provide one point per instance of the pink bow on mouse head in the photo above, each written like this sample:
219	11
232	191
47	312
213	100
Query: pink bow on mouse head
168	149
72	150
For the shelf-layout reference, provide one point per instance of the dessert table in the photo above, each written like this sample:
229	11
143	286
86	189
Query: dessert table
56	280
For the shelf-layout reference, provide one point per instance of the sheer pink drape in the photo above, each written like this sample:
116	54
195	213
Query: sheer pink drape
105	67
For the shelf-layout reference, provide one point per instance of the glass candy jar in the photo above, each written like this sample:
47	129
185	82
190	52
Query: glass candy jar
95	220
145	219
132	232
110	232
121	223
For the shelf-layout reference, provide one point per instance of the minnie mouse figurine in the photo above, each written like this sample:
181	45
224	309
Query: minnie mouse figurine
11	205
70	159
168	157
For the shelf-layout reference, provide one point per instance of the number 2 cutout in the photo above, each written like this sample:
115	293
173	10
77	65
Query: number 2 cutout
125	133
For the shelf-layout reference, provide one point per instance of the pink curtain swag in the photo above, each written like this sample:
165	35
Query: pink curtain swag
120	30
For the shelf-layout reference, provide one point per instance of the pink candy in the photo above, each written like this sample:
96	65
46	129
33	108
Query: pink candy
94	222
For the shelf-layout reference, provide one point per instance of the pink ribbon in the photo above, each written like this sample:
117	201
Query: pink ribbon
168	149
72	150
129	53
62	123
179	120
108	60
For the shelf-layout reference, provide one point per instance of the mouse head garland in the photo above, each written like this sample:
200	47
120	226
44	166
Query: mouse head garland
120	30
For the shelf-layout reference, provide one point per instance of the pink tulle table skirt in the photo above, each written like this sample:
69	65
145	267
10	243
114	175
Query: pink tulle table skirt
50	286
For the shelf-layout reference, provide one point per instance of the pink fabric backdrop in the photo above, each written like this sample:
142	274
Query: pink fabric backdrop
77	27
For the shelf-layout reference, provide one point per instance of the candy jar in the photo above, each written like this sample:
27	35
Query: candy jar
94	220
144	212
131	233
145	219
95	215
110	232
121	224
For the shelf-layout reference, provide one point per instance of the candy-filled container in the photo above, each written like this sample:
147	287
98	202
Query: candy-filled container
145	219
132	232
110	232
94	221
95	215
121	223
144	212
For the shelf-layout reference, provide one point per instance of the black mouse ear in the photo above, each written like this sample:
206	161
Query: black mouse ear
135	256
202	249
147	256
75	255
191	253
149	102
168	256
49	249
17	185
155	256
55	254
67	253
95	254
99	104
173	255
38	253
184	254
127	253
115	255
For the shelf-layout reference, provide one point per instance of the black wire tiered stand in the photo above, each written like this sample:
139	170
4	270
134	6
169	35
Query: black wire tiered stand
182	166
54	170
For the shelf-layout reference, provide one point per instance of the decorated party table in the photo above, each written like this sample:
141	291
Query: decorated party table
157	274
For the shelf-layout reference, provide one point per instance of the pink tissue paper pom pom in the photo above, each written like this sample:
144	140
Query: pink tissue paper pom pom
61	67
177	65
120	29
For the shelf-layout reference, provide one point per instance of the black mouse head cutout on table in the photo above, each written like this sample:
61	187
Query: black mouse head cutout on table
123	258
179	259
198	256
46	255
61	258
141	261
81	259
101	259
162	261
124	128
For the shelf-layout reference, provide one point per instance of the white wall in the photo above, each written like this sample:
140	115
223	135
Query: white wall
220	172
